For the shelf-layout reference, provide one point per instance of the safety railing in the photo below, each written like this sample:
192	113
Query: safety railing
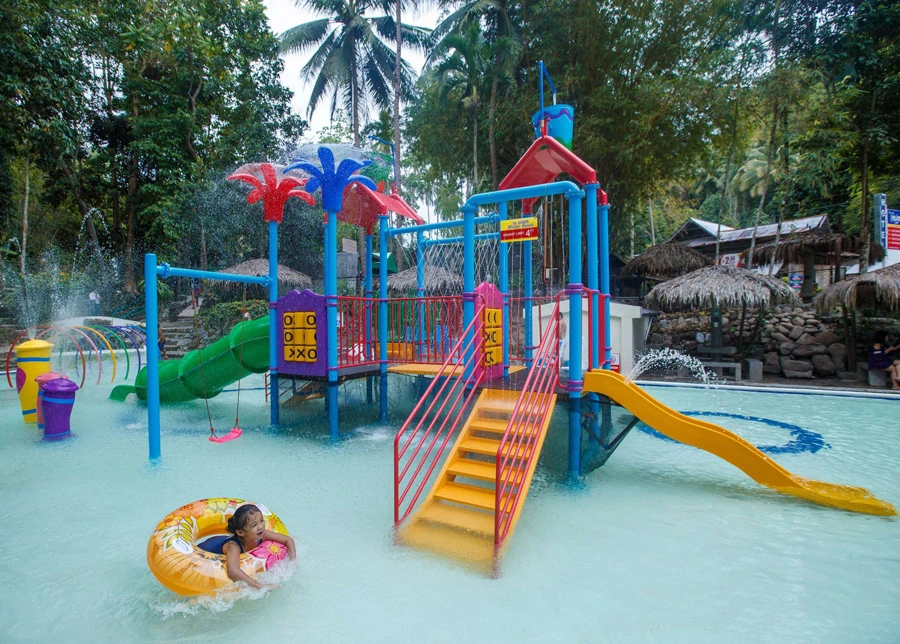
598	312
357	320
423	329
519	343
519	443
424	436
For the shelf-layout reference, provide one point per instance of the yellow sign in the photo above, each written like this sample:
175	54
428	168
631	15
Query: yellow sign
493	318
517	230
493	356
300	336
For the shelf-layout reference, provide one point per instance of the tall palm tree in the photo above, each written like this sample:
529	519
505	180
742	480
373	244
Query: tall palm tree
461	74
351	62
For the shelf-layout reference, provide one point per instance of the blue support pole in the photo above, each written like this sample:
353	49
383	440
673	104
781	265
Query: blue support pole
152	331
419	338
274	398
368	330
590	197
529	294
331	321
468	280
503	209
604	271
575	291
383	311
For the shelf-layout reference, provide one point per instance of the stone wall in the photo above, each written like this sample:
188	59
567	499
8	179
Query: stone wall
792	342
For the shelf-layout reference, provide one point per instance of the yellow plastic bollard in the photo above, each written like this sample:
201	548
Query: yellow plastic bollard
32	360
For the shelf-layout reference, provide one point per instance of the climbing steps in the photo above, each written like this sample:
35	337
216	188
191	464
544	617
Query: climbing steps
457	518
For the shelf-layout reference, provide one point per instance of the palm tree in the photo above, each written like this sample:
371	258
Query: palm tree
461	73
351	61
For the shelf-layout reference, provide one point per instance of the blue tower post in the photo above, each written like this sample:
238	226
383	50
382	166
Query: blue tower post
529	294
468	281
575	290
590	197
368	330
274	398
383	312
150	305
419	337
503	211
331	321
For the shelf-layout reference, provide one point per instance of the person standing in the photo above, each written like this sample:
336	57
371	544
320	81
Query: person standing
94	298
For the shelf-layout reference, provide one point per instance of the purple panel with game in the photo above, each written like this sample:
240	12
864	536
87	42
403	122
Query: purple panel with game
303	342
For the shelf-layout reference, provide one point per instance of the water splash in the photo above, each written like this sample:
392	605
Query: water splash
668	358
228	596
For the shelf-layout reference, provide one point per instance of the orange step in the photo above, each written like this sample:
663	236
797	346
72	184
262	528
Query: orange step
478	497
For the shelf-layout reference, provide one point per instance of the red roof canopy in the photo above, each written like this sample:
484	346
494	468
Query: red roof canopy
543	162
362	206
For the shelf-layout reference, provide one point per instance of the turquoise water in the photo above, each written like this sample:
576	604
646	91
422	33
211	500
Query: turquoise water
665	543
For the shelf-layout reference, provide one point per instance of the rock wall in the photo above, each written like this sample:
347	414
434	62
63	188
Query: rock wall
791	341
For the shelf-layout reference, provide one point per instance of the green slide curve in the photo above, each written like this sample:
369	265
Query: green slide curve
204	373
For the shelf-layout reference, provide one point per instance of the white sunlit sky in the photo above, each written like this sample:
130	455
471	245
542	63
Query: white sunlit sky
284	14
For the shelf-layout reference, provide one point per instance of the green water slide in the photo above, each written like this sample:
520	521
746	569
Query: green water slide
204	373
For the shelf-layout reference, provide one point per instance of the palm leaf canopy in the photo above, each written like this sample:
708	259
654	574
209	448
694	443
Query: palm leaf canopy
438	281
792	248
881	287
724	287
665	261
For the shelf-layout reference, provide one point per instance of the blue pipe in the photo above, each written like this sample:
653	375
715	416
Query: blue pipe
457	240
150	306
575	296
331	304
456	223
504	289
590	196
419	338
274	398
164	271
525	192
529	294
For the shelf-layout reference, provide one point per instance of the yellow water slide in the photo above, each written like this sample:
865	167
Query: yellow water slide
729	446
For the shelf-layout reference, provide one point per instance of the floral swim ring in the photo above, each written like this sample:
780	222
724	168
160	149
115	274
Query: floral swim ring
180	565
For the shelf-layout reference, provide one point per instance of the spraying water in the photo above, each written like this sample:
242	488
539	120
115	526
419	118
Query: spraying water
668	358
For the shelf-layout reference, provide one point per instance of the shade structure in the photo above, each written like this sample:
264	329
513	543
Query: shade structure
288	278
723	287
879	288
438	281
793	248
362	206
665	261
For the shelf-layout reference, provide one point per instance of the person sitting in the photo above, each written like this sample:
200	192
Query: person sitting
880	357
248	529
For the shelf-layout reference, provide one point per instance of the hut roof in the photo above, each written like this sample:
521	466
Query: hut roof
287	277
665	261
881	287
719	286
792	248
437	280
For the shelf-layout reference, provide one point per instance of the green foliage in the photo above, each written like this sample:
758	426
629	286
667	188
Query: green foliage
219	319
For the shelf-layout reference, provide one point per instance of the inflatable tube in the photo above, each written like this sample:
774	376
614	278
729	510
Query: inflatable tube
180	565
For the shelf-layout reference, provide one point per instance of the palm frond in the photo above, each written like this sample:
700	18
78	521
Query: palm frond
301	37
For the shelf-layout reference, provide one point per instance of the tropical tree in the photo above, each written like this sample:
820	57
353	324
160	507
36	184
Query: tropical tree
351	61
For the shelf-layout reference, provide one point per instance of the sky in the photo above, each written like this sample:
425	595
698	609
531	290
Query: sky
284	14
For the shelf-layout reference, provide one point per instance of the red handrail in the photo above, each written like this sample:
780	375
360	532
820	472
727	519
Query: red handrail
442	389
517	447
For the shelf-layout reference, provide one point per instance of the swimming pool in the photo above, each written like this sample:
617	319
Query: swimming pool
665	543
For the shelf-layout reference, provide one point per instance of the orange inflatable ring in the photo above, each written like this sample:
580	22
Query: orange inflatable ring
182	567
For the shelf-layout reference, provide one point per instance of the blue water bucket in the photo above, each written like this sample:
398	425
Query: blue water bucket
561	121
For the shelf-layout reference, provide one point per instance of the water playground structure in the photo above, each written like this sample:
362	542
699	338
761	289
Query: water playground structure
465	457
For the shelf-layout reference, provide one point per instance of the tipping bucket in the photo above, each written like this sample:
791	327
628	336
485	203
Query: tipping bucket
560	123
57	400
40	380
32	359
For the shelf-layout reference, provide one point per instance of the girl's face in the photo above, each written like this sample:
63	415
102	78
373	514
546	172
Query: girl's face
253	528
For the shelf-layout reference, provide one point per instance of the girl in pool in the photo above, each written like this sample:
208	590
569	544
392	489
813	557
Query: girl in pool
880	357
248	529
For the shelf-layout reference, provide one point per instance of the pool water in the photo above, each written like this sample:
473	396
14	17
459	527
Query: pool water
665	543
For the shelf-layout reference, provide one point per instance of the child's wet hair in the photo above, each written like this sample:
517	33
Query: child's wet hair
241	516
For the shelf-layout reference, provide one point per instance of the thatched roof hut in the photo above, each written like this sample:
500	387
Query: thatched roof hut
881	287
438	281
665	261
724	287
829	246
287	277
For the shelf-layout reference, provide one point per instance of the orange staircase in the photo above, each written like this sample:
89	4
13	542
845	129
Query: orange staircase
459	516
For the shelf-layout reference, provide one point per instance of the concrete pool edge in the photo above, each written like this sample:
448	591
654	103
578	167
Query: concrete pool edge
779	389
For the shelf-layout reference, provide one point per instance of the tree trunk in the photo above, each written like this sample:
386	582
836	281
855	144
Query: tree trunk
82	205
24	244
130	218
203	263
354	96
397	62
652	225
475	146
495	181
864	215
